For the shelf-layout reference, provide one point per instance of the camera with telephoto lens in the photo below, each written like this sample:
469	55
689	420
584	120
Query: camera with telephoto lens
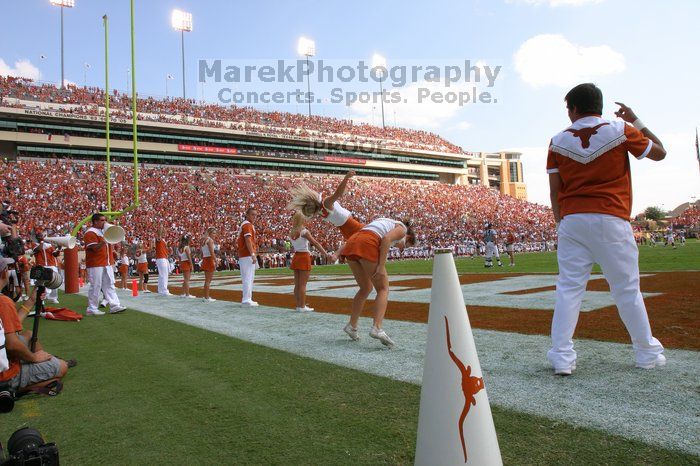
7	214
27	447
46	277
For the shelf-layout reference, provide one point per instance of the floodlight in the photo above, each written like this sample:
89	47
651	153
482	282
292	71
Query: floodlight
306	47
181	20
63	3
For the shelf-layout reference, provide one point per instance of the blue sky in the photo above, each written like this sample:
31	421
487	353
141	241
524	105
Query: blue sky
640	52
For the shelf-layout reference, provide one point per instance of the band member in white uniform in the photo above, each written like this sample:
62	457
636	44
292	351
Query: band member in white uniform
366	252
247	258
162	263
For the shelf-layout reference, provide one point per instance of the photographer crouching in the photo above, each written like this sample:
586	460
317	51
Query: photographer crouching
28	371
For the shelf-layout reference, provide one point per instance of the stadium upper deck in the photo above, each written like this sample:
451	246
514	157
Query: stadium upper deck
44	121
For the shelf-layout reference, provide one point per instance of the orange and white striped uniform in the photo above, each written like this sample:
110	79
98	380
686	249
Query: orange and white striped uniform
365	243
302	256
342	218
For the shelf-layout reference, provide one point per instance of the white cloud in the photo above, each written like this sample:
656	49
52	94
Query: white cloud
556	3
420	112
461	126
670	182
550	59
22	69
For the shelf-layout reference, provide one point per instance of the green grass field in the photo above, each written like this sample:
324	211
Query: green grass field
656	259
152	391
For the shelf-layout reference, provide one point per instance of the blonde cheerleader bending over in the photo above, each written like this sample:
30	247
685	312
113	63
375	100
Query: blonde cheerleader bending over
301	262
366	252
310	203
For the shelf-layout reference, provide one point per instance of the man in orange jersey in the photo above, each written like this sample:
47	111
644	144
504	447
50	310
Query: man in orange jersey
247	258
591	194
99	259
162	263
46	255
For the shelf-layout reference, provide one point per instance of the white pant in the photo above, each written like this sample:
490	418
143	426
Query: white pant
163	267
101	279
608	241
492	250
247	277
52	294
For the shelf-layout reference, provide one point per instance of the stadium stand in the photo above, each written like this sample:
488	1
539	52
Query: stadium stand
56	193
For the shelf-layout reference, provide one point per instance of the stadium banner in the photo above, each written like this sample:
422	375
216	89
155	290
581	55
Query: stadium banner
207	149
330	158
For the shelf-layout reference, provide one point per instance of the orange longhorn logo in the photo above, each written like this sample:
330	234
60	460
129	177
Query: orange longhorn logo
470	387
585	134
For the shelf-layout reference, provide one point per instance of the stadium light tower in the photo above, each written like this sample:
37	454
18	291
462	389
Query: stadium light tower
168	77
307	47
182	21
379	63
63	4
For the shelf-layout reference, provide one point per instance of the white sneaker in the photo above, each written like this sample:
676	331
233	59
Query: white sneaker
53	301
658	362
306	309
352	332
208	300
94	313
117	309
381	335
164	294
146	291
250	304
190	296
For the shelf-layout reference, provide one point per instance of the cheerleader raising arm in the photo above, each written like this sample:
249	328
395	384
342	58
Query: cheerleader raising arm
339	191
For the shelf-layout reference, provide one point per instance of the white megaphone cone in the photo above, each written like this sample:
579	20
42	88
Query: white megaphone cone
67	241
455	426
113	233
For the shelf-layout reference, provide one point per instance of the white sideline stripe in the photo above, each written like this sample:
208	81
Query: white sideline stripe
606	392
492	292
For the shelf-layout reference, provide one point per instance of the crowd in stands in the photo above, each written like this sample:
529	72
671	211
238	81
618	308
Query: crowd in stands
690	218
55	194
90	100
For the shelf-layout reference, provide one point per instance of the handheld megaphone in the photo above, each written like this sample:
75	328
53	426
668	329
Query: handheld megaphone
113	234
67	241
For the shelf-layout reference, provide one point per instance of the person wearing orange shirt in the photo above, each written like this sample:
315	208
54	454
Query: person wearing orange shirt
510	242
162	263
46	255
208	262
25	369
247	259
591	194
99	259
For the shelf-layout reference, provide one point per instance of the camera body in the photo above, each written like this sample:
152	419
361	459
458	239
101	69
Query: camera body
46	277
27	447
7	214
